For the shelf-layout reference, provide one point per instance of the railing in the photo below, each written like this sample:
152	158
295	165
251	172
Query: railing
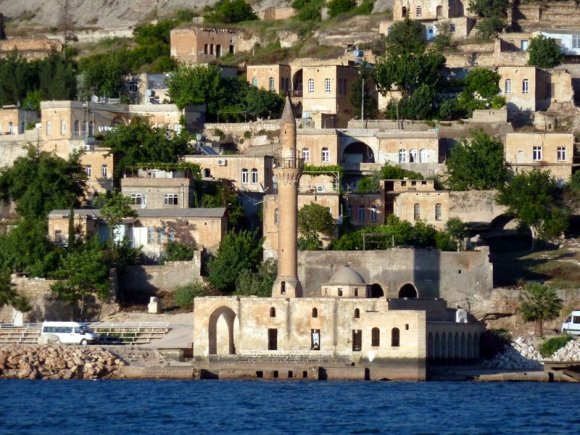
289	163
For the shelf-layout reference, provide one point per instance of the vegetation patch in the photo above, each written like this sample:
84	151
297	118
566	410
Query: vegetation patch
552	345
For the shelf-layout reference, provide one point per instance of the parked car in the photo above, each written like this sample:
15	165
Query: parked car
67	333
572	323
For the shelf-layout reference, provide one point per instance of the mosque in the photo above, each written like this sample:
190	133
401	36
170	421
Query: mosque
343	328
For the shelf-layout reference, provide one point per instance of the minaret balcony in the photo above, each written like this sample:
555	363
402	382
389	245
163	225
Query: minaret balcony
289	163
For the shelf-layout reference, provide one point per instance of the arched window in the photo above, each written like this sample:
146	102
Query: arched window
423	156
373	213
77	127
375	337
218	50
413	156
48	128
205	48
395	337
254	176
314	313
22	127
276	217
437	212
416	211
255	82
356	313
10	127
327	87
271	84
402	156
62	127
272	312
310	86
91	129
244	176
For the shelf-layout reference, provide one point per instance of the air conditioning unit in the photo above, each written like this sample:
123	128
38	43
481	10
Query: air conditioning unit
320	188
222	162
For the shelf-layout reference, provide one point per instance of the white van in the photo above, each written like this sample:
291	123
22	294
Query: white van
67	333
572	323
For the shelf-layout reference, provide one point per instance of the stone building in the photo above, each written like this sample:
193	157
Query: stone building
276	78
202	44
29	48
151	230
15	120
547	151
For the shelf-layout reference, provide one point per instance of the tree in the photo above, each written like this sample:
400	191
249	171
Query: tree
196	85
41	182
337	7
175	251
308	10
83	275
404	38
257	283
237	252
358	94
539	303
457	231
9	296
315	220
476	163
115	207
231	11
544	52
493	15
533	198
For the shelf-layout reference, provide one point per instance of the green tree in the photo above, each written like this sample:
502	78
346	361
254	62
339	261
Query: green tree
104	74
493	15
544	52
184	295
18	77
83	276
457	231
230	11
41	182
175	251
57	77
404	38
358	94
539	303
196	85
258	283
237	251
533	198
476	163
308	10
337	7
314	221
114	207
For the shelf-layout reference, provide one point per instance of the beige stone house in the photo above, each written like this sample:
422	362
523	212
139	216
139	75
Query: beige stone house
202	44
151	230
275	77
547	151
30	48
14	120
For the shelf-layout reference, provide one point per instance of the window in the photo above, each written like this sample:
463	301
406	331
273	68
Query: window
62	127
375	337
276	217
508	86
133	86
576	40
138	199
373	213
271	84
104	171
171	235
356	313
395	337
349	211
413	156
452	28
525	86
306	154
561	156
356	340
272	339
315	339
327	85
255	82
88	170
150	235
361	213
416	211
244	176
402	156
419	11
310	86
90	129
524	44
49	128
314	313
205	48
254	176
10	128
77	127
339	292
537	153
218	50
423	156
170	199
325	155
160	236
272	312
437	212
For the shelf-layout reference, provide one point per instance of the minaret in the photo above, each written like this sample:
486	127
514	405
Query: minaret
287	173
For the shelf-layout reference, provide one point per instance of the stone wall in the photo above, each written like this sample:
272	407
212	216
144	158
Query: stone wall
148	280
237	129
454	276
477	206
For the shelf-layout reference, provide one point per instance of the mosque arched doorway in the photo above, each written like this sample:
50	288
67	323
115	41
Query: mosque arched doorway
408	291
376	291
221	332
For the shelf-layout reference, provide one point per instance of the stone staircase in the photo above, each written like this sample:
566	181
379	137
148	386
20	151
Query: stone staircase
26	334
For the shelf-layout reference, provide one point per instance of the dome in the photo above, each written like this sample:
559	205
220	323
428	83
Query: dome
346	276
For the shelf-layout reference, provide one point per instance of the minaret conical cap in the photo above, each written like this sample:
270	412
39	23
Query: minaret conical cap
288	113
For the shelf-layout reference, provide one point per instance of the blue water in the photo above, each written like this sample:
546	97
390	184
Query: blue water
206	407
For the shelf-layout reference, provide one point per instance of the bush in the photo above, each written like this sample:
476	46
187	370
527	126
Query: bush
336	7
552	345
493	342
175	251
184	295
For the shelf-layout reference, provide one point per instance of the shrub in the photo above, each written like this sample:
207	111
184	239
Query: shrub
184	295
552	345
336	7
175	251
493	342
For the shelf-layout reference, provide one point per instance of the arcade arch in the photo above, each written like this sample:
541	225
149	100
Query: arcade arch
221	332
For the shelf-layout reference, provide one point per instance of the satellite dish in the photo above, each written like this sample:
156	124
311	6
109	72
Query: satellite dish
94	99
150	93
